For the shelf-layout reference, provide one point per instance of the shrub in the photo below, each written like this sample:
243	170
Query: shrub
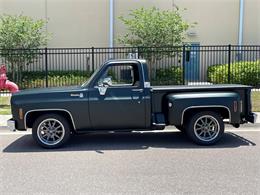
244	72
36	79
169	76
19	37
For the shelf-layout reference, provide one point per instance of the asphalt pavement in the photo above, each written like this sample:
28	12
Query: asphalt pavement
132	163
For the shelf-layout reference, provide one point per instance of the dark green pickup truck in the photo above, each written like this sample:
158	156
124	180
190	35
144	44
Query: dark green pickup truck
118	97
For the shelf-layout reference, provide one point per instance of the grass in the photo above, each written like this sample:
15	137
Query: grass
4	110
256	101
5	103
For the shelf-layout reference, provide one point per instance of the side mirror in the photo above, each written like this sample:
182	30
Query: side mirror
102	90
107	82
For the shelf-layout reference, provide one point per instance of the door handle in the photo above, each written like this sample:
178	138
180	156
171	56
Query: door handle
138	90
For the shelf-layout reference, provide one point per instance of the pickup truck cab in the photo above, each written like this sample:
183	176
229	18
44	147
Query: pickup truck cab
119	97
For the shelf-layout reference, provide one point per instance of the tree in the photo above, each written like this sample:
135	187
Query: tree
154	28
155	32
20	36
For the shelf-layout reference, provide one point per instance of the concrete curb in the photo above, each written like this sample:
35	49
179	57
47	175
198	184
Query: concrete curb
3	120
3	128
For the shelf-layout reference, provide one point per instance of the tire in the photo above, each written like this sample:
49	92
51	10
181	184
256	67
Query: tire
51	131
205	128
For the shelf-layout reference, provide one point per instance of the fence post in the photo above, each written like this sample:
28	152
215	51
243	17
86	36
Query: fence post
46	66
183	63
92	56
138	52
229	62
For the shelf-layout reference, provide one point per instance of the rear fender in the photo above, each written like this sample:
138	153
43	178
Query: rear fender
224	103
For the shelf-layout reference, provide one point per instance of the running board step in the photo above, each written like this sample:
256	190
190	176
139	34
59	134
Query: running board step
158	121
160	126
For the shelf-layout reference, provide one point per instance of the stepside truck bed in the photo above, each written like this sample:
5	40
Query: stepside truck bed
158	93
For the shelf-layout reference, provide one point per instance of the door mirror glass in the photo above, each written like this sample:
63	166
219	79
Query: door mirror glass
107	82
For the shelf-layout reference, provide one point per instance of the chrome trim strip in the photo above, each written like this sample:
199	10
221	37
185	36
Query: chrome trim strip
159	124
54	109
206	106
142	72
137	90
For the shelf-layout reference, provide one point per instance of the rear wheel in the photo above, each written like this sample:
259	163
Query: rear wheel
51	131
205	128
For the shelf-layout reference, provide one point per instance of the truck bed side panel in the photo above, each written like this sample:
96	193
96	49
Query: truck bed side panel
159	93
179	103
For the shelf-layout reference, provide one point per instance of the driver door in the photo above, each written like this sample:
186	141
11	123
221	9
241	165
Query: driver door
122	105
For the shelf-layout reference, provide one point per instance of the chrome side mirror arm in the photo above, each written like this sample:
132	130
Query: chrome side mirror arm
105	84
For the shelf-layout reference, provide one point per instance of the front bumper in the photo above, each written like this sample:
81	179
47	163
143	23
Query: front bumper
11	125
251	117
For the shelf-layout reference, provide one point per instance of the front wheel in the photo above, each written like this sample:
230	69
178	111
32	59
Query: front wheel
51	130
205	128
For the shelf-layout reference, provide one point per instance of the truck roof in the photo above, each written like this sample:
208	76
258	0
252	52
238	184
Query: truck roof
142	61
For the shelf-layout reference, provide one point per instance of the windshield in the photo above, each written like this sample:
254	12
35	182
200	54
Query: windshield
90	78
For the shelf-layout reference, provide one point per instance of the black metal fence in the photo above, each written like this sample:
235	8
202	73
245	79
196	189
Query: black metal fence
187	64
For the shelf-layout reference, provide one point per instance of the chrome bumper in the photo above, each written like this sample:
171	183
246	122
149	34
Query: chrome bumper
251	117
11	125
255	117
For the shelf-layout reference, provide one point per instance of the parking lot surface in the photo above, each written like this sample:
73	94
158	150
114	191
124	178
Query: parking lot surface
137	163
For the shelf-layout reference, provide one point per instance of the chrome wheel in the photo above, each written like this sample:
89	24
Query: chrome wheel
50	131
206	128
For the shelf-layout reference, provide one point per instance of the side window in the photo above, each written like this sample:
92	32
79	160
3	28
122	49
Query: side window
120	75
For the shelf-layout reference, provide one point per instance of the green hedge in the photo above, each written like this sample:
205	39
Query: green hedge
36	79
243	72
169	76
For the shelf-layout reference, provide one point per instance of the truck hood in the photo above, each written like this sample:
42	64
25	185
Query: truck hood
46	94
47	90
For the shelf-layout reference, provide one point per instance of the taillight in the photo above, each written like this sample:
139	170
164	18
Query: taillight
235	106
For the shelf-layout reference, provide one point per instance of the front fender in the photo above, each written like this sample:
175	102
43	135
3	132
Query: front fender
179	103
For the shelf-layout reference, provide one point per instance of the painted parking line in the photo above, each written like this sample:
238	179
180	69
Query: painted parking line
243	130
15	133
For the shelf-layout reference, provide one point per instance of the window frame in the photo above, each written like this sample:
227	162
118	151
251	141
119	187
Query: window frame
120	85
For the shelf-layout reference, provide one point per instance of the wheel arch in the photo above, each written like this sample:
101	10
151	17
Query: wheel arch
31	116
222	110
